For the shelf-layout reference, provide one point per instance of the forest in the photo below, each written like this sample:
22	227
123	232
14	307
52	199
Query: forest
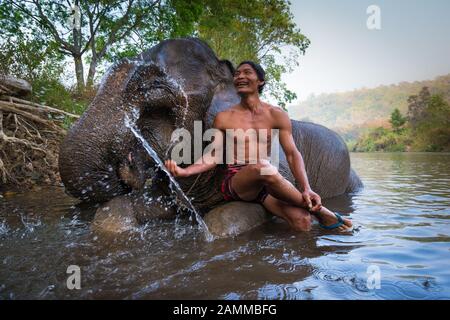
425	127
368	119
63	48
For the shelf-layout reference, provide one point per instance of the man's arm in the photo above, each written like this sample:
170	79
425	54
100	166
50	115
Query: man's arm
295	160
204	163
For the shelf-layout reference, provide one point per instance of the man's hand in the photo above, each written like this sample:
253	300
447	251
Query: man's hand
174	169
312	200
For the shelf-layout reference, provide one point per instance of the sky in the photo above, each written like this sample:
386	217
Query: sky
413	44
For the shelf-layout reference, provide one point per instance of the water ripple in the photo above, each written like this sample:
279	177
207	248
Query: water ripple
402	217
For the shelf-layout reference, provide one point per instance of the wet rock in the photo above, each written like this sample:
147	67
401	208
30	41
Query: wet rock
115	216
147	211
126	212
235	218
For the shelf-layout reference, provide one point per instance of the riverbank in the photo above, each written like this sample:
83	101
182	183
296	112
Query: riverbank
406	140
426	127
30	135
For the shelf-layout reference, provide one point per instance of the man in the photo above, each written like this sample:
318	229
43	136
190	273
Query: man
249	181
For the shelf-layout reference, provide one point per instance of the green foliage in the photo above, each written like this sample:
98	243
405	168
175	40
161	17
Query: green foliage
432	131
106	30
110	30
427	127
42	66
417	105
29	59
257	30
382	139
364	107
397	120
53	93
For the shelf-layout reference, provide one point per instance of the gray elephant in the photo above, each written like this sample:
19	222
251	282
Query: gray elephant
167	87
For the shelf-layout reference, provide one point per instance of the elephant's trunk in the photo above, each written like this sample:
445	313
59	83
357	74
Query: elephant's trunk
87	163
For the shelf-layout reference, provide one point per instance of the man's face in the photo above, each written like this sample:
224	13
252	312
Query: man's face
246	80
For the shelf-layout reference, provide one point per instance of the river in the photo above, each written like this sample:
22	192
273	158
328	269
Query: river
400	248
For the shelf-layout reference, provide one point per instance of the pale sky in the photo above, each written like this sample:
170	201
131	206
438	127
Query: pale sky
413	44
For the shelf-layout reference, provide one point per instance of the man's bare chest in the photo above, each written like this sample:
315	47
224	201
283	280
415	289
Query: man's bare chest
250	130
246	122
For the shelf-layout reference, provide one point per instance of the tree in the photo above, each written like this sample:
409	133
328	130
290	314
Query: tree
397	120
29	59
433	130
255	30
95	30
417	105
43	67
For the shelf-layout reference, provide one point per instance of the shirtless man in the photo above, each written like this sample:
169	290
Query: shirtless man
246	181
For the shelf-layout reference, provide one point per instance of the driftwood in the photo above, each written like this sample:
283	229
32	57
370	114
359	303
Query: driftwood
13	86
30	134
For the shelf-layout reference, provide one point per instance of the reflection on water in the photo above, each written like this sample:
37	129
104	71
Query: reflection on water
402	218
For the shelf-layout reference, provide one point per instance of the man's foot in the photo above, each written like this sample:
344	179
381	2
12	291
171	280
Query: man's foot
328	220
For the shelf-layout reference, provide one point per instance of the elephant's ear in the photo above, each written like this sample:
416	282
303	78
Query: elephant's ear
227	64
224	95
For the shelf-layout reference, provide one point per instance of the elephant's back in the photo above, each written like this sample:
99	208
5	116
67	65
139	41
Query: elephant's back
323	150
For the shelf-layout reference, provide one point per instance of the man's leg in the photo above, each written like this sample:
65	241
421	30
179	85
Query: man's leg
248	182
298	218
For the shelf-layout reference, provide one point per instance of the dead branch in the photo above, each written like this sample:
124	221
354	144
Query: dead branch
29	142
12	109
24	142
24	104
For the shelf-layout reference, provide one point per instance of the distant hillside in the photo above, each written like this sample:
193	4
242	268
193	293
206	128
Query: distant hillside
350	112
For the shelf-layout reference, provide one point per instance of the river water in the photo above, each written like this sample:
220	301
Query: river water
399	250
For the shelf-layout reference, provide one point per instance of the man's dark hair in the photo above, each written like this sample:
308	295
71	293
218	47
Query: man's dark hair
259	72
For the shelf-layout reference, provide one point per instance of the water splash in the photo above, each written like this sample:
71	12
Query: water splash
177	84
180	119
4	229
30	223
173	184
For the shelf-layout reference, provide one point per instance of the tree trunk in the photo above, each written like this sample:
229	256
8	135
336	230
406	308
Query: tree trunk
79	73
91	74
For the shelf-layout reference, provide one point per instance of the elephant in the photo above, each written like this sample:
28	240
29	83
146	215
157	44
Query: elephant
169	86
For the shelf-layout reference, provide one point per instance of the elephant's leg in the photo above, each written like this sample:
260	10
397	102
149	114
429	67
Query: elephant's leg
355	183
234	218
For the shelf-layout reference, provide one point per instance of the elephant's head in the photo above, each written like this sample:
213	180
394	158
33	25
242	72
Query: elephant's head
167	87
